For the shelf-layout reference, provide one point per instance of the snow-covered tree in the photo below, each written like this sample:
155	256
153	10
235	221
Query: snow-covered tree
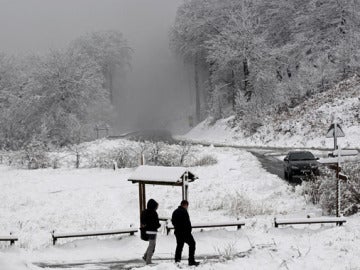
196	22
269	52
110	51
56	99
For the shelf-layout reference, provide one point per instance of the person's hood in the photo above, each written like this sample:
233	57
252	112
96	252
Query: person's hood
152	204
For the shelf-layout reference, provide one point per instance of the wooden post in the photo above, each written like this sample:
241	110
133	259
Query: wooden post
185	186
335	136
12	241
142	198
77	164
338	205
53	237
97	132
142	159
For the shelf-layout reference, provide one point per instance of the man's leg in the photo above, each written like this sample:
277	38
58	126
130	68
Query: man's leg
179	247
151	248
192	246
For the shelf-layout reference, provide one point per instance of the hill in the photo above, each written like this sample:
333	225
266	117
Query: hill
302	126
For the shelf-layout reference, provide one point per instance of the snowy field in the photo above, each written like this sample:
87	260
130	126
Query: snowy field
33	203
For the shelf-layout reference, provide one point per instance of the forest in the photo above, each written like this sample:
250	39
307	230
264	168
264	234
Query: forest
259	57
56	98
246	58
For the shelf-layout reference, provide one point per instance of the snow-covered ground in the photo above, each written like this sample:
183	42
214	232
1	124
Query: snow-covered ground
303	126
33	203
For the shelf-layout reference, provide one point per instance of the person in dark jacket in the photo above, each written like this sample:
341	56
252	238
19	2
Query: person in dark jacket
182	225
150	221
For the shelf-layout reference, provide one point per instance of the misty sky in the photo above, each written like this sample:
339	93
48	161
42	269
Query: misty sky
38	25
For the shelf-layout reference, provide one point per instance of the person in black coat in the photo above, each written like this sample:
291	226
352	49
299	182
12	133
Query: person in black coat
150	223
182	225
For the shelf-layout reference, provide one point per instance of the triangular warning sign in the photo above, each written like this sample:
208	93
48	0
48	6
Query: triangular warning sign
339	131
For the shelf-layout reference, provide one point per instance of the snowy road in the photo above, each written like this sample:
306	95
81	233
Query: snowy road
136	263
270	163
269	157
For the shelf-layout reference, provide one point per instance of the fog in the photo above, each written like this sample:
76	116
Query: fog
157	81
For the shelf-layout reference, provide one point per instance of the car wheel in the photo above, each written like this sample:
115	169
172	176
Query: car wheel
290	177
285	175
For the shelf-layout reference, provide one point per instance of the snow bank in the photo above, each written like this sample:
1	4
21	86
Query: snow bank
9	261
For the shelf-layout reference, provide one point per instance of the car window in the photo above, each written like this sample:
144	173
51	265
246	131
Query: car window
301	156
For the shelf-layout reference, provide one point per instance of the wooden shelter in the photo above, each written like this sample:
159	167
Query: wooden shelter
165	176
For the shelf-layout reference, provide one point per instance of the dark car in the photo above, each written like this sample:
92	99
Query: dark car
300	163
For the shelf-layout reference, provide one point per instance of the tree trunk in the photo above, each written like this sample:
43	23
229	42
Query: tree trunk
110	83
197	89
233	87
247	89
77	164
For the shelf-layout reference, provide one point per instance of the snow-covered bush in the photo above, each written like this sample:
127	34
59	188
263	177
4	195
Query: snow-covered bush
206	160
100	160
126	158
123	157
242	205
311	189
227	252
34	156
351	189
328	195
322	190
169	155
239	204
163	154
105	153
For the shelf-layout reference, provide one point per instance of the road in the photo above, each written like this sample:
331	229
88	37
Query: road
271	163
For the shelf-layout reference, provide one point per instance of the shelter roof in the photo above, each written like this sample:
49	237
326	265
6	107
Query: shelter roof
158	175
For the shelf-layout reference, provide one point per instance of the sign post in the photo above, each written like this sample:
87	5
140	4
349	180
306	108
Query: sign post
185	186
338	186
335	131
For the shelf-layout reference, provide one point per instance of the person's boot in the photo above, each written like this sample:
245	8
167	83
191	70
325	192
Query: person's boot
194	263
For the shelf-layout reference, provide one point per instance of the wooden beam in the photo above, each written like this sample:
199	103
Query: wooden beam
140	200
144	197
155	183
